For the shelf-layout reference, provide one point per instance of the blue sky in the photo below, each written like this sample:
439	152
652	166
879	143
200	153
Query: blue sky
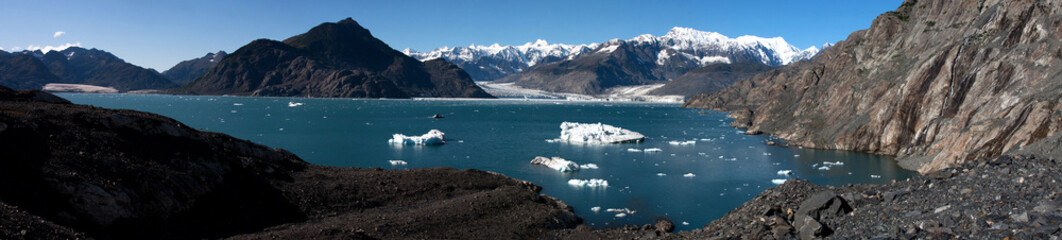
159	34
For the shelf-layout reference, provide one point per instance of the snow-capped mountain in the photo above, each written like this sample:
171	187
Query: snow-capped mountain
649	59
488	63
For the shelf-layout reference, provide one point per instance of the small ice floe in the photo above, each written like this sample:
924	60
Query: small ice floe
661	174
588	166
593	133
621	212
796	155
766	154
237	104
556	163
294	104
397	162
682	143
778	181
875	176
785	172
824	168
595	209
619	215
685	223
634	150
593	183
433	137
837	163
689	175
653	150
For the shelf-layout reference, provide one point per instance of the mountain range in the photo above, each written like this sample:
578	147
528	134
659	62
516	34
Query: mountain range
340	59
489	63
189	70
935	83
75	65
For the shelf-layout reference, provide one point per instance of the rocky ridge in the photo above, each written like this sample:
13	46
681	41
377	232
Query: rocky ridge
936	83
189	70
492	62
340	59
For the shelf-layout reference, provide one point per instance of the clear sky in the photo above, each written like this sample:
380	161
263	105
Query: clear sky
159	34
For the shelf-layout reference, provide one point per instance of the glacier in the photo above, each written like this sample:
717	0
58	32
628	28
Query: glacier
433	137
556	163
597	133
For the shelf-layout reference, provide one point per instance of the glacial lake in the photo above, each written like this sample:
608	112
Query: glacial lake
690	184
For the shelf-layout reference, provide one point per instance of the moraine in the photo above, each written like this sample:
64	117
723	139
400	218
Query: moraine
702	170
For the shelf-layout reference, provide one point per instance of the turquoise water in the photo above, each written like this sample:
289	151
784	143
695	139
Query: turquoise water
502	136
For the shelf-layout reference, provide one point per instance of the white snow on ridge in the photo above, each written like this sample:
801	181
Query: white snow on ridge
530	53
608	49
597	133
433	137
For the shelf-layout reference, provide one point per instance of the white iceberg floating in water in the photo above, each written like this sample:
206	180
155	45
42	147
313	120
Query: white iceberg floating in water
634	150
573	132
294	104
397	162
689	175
556	163
661	174
593	182
785	172
619	215
685	223
778	181
682	143
595	209
433	137
875	176
588	166
837	163
653	150
824	168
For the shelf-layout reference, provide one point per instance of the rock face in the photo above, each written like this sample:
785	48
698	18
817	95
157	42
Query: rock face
649	60
711	78
339	59
935	83
189	70
71	171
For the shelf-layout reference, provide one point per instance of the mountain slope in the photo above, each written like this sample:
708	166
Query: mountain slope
22	71
489	63
647	59
97	67
189	70
339	59
710	78
935	83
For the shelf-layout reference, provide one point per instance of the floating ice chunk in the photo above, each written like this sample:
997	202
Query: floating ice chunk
595	209
661	174
573	132
875	176
593	183
556	163
294	104
685	223
653	150
433	137
588	166
689	175
619	215
778	181
397	162
785	172
237	104
824	168
837	163
621	210
634	150
682	143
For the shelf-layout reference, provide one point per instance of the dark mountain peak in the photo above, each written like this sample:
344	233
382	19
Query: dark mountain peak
348	20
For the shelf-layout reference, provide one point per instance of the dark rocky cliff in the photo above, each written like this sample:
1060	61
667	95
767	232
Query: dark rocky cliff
189	70
936	83
73	171
711	78
339	59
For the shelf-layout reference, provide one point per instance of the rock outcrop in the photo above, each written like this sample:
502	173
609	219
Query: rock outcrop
72	171
936	83
339	59
711	78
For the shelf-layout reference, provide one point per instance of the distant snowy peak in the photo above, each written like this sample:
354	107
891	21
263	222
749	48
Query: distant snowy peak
771	51
490	62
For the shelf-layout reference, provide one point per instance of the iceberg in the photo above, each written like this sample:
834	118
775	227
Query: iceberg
824	168
294	104
875	176
596	133
653	150
433	137
595	209
593	183
778	181
689	175
785	172
588	166
397	162
682	143
661	174
556	163
837	163
634	150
